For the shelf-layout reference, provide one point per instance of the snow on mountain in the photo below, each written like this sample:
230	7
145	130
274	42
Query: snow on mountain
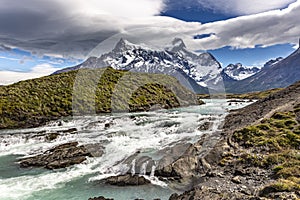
273	62
175	60
279	74
239	72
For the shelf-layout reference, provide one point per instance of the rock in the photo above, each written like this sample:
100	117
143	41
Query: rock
173	196
205	126
52	136
71	130
186	165
58	157
236	101
100	198
236	180
127	180
96	150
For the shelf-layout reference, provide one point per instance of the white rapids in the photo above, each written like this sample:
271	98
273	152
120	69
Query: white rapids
121	136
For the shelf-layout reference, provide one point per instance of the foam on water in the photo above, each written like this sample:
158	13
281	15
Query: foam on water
121	135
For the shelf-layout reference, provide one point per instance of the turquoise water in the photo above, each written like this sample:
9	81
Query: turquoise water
77	189
147	133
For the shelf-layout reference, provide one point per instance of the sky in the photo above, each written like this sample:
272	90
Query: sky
40	37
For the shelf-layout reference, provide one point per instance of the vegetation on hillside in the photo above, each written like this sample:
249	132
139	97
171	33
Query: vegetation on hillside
274	144
34	102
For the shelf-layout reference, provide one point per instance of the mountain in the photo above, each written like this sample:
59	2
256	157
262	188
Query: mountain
193	71
278	73
239	72
34	102
273	62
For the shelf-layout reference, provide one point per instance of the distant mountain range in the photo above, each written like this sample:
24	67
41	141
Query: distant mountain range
239	72
201	73
277	73
193	71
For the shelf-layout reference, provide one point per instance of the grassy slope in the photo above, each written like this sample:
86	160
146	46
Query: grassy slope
258	155
274	144
34	102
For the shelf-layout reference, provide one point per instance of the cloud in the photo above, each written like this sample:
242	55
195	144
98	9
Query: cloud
264	29
69	26
8	58
74	28
4	48
9	77
244	7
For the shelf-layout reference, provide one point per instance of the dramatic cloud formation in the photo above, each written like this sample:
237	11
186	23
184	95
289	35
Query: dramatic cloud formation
69	26
73	28
244	7
265	29
9	77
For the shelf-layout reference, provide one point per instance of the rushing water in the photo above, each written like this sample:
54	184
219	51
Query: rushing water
121	136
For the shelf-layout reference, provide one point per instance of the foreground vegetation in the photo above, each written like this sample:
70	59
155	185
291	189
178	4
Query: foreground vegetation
274	145
34	102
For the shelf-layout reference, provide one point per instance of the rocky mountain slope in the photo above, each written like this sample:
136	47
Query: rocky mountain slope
278	73
200	73
256	157
89	91
193	71
239	72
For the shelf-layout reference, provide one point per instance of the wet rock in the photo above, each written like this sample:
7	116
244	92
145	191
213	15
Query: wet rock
170	154
52	136
236	101
173	196
100	198
95	150
71	130
186	165
127	180
60	156
205	126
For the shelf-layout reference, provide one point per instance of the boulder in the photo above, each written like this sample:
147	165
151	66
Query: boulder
100	198
60	156
127	180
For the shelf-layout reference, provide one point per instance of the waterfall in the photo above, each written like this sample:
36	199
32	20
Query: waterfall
152	174
143	168
133	167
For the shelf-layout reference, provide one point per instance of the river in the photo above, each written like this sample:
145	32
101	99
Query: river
121	135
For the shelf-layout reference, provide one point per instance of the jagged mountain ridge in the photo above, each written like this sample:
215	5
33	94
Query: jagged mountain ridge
278	73
239	72
192	70
201	73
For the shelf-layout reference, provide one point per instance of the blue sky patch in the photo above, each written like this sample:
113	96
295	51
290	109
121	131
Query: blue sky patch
251	56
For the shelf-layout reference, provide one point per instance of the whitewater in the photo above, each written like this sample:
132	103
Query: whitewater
121	136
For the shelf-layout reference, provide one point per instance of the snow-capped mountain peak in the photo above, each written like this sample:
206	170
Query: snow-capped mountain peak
178	45
273	62
240	72
124	45
175	60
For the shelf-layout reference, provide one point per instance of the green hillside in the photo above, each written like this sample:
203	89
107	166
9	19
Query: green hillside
34	102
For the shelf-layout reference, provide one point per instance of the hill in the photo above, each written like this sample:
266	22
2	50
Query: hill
34	102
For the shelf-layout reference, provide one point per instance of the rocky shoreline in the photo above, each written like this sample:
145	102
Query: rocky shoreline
256	156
